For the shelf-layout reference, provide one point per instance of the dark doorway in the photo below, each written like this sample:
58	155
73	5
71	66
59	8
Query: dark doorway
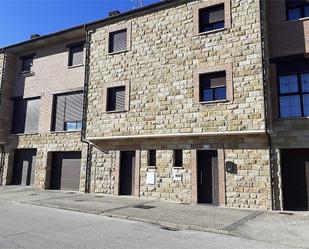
65	171
295	179
127	172
207	177
24	167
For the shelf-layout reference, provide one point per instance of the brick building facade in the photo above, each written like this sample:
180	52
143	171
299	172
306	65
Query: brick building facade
179	104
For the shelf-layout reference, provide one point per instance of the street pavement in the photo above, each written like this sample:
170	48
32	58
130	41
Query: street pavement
31	218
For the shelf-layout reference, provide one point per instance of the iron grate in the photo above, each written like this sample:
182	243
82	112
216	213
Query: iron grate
144	206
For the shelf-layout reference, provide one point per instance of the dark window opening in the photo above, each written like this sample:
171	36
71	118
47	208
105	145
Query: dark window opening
297	9
116	98
25	115
211	18
152	158
117	41
212	86
76	56
27	63
178	158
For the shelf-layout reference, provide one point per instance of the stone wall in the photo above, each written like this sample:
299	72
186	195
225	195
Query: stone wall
164	52
45	144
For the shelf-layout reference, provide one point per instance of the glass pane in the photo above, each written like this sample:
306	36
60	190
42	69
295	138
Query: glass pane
294	14
79	125
219	25
208	95
288	84
306	104
290	106
70	126
306	11
305	82
220	93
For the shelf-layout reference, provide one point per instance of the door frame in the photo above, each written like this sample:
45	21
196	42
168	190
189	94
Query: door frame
136	187
221	176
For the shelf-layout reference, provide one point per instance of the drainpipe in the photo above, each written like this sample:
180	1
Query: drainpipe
84	121
1	163
266	111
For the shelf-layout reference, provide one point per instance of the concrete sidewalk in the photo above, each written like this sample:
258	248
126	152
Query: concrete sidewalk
290	229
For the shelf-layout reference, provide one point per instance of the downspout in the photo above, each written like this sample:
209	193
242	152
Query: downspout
84	121
1	163
266	111
2	146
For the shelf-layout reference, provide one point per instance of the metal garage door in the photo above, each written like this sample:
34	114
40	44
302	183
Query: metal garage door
295	179
65	171
24	167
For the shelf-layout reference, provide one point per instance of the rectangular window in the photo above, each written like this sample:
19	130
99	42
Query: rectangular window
25	115
177	158
294	95
68	112
116	98
211	18
152	160
76	55
27	63
117	41
212	86
297	9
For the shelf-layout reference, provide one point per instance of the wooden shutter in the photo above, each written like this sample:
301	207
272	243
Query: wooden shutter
218	80
120	98
74	107
32	115
59	113
77	55
118	41
216	14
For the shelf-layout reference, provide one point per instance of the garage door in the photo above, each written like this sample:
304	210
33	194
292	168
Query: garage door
295	179
65	170
24	167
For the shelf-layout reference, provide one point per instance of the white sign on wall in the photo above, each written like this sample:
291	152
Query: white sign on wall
177	176
150	178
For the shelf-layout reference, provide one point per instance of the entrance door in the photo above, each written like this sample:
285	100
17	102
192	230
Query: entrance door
295	179
207	176
65	171
24	167
127	172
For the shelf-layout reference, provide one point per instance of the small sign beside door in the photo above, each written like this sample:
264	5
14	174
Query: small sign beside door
150	178
177	176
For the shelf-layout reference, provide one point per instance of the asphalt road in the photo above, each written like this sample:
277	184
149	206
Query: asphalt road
29	226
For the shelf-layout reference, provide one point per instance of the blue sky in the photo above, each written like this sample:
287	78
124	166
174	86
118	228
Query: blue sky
21	18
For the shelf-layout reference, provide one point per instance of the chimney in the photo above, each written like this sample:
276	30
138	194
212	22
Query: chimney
114	13
33	36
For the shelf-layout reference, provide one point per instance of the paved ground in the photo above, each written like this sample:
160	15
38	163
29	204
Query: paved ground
26	221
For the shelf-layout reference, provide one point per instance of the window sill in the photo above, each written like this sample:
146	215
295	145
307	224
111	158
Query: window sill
151	167
210	32
24	134
61	132
298	20
118	52
178	167
75	66
213	102
120	111
27	73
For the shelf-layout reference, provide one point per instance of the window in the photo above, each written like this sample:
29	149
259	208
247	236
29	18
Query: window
25	115
68	112
211	18
76	55
297	9
294	95
27	63
117	41
116	98
152	160
177	158
212	86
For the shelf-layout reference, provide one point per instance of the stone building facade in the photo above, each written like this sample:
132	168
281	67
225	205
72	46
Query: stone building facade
183	102
160	68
